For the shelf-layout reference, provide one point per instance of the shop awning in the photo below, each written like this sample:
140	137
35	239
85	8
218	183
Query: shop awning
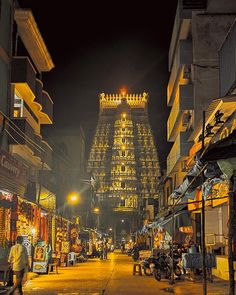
181	219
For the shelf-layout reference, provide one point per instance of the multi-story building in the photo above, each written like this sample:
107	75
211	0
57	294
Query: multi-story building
199	30
202	83
32	105
123	157
24	107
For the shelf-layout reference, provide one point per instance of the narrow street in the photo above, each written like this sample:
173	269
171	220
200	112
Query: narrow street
113	276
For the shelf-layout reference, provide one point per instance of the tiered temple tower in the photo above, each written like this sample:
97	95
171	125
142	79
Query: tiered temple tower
123	158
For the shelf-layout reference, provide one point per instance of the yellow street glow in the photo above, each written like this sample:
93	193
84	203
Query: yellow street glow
96	210
73	198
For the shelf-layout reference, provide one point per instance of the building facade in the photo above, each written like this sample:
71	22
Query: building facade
199	30
123	158
24	107
202	78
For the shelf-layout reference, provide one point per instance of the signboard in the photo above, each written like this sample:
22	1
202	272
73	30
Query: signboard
40	267
12	168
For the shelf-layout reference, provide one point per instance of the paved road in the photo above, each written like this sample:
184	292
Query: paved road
113	276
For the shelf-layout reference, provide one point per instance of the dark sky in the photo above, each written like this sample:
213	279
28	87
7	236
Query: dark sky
99	46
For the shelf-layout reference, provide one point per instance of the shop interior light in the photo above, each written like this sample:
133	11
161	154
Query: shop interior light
33	231
110	229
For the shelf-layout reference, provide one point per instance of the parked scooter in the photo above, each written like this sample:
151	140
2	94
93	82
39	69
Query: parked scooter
163	266
145	264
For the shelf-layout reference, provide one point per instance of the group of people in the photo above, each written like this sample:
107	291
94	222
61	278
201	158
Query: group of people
103	250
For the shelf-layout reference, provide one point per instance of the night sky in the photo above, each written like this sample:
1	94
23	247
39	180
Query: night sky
100	46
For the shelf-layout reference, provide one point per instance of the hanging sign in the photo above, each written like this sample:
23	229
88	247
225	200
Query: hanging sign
12	168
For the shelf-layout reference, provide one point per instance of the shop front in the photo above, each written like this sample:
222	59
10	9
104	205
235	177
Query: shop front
13	180
60	239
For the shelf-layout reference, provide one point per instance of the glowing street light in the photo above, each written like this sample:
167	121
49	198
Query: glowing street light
73	198
96	210
122	220
110	229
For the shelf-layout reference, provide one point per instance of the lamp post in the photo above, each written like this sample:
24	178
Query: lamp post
96	211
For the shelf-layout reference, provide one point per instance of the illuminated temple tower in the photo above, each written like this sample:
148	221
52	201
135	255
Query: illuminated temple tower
123	159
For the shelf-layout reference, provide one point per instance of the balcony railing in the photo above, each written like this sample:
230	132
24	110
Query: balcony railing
23	134
179	151
183	102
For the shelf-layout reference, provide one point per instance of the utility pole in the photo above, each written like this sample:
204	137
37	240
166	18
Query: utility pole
203	217
231	232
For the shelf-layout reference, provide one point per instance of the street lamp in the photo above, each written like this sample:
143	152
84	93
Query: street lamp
73	198
96	210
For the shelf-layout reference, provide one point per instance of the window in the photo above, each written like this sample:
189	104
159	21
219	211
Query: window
123	153
122	184
123	168
123	140
123	129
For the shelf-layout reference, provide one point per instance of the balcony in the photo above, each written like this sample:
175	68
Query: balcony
179	73
183	102
39	92
46	116
23	77
182	23
179	151
228	63
23	134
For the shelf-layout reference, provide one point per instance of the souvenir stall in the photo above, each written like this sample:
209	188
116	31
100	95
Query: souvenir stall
74	237
28	224
5	222
5	217
61	246
74	243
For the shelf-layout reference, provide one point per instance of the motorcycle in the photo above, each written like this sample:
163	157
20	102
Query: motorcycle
163	267
145	264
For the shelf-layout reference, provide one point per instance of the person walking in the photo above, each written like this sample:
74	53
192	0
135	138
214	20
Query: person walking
105	251
18	258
